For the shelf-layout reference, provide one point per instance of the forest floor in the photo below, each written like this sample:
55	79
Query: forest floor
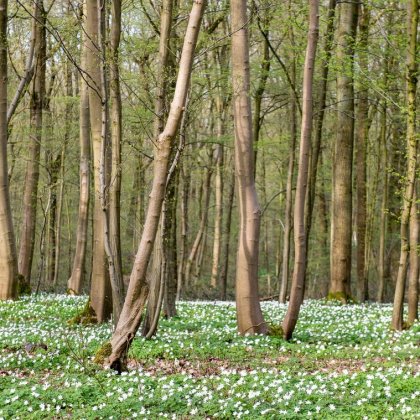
344	362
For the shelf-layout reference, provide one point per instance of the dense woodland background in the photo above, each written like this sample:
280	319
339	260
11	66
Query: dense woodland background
201	201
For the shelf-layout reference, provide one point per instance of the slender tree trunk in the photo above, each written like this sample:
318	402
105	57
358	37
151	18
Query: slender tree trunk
186	180
411	75
289	202
159	271
78	273
203	223
299	270
138	287
413	276
8	256
226	238
362	133
115	181
384	203
248	310
100	291
30	195
341	220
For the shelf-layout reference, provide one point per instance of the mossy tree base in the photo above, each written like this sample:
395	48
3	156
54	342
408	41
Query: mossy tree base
103	353
24	288
342	297
85	317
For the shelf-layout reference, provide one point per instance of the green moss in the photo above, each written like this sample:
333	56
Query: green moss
85	317
275	330
103	353
342	297
24	287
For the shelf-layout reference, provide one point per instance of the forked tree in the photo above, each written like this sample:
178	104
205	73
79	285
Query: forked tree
248	310
299	269
8	257
138	288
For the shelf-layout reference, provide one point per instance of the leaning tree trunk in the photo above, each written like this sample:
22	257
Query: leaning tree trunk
299	270
138	287
411	75
248	310
8	257
77	277
158	273
362	134
100	291
30	194
341	219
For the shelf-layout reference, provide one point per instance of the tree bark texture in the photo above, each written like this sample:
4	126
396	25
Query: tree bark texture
341	219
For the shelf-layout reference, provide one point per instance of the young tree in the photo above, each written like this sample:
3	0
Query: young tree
138	287
299	269
8	257
411	76
248	310
362	119
341	219
30	195
77	277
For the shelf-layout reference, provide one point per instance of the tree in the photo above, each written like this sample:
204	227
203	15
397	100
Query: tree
299	269
137	292
341	218
409	187
77	277
100	291
8	257
248	310
30	195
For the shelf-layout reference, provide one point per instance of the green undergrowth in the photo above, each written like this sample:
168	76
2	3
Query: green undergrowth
343	362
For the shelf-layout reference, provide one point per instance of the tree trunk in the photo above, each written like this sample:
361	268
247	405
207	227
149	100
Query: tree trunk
138	287
203	224
299	270
226	238
30	195
77	277
100	291
411	75
413	276
341	220
289	202
115	182
248	310
362	133
8	256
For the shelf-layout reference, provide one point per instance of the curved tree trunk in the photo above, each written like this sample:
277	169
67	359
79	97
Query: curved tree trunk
299	270
138	287
8	257
412	28
341	219
413	276
248	310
